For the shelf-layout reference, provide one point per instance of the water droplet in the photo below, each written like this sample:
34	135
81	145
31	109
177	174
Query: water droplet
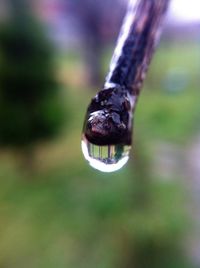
106	158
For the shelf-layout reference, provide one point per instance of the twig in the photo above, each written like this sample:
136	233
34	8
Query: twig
109	116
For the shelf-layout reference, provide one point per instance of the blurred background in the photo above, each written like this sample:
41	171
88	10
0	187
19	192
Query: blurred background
56	211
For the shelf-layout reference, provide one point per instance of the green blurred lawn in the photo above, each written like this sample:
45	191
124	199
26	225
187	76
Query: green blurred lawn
66	214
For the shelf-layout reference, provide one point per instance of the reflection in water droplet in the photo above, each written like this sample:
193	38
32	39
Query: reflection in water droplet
106	158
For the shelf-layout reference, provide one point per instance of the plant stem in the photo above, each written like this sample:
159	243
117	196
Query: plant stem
137	40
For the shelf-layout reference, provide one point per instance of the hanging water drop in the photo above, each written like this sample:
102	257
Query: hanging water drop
106	158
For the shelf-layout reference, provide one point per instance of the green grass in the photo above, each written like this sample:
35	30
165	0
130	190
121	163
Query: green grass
75	218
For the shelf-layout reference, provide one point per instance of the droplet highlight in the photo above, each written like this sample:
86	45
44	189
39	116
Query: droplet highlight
105	158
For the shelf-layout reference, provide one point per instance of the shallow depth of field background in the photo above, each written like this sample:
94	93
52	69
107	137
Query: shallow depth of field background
56	211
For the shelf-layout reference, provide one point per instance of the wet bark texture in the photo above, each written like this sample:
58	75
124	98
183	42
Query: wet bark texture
139	35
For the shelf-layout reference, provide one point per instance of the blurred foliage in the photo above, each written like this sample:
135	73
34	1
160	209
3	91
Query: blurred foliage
30	102
166	113
75	217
